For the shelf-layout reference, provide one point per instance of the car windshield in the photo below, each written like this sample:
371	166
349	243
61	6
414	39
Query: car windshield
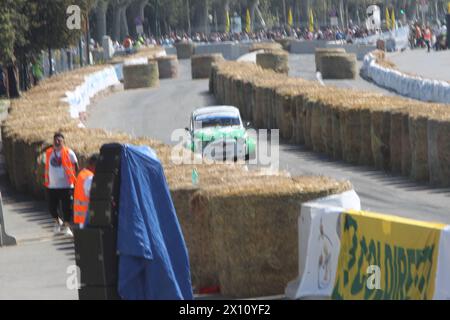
216	121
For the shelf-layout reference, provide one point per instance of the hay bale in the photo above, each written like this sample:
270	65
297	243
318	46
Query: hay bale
19	170
395	141
439	150
284	105
406	146
266	46
308	110
326	123
365	155
350	134
168	67
418	137
381	45
316	126
213	80
254	228
322	51
259	106
299	120
277	61
285	43
185	50
338	66
380	131
201	64
336	115
141	76
248	101
197	235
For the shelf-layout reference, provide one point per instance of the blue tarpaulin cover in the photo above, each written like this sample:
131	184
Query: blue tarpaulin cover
153	258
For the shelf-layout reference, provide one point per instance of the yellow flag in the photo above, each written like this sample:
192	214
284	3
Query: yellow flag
393	19
388	19
290	18
248	22
227	22
311	21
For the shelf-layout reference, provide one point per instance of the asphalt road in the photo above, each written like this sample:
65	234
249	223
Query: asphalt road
157	112
432	65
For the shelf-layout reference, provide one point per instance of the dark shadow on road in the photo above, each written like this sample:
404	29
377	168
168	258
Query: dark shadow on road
381	176
34	212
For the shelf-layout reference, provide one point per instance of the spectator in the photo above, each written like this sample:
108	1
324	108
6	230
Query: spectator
61	166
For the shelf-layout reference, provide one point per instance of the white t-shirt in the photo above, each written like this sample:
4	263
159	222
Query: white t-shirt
87	185
57	175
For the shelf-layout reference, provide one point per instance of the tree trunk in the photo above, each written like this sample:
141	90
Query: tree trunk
100	15
124	32
254	5
116	24
50	62
188	13
137	11
13	81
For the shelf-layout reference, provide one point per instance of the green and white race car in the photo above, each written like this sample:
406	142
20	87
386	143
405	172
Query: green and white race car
217	132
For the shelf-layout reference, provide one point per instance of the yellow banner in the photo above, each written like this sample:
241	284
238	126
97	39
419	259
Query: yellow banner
402	253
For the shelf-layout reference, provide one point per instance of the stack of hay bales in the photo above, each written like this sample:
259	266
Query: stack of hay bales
338	66
141	75
391	133
276	60
253	226
381	45
322	51
201	65
266	46
34	118
185	50
167	66
285	43
439	148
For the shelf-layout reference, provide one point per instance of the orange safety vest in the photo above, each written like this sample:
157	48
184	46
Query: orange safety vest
80	199
69	167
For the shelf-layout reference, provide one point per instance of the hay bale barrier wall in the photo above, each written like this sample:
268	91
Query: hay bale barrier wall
322	51
28	131
201	65
167	66
141	76
338	65
274	60
393	134
254	231
185	50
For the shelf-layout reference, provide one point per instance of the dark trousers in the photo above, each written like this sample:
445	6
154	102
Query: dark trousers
62	198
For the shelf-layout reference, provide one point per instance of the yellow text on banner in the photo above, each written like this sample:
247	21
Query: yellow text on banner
404	251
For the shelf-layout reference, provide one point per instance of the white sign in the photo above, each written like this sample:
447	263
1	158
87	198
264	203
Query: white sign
334	21
319	245
424	8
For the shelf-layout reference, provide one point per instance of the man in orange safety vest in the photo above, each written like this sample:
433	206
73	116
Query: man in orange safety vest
61	167
82	192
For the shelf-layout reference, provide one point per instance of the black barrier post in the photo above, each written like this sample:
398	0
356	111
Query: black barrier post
5	240
448	25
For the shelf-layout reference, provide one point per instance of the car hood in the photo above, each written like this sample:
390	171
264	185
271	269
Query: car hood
216	133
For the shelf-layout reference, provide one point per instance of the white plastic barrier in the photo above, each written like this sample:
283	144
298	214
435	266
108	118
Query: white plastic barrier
410	86
400	36
338	258
319	245
249	57
229	50
135	61
94	83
